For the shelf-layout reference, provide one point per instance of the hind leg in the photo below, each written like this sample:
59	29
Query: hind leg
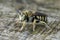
45	24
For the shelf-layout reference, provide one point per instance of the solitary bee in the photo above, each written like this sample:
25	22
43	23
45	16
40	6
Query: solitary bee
34	17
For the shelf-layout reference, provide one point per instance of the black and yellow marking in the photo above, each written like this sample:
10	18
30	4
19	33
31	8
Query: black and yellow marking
41	17
37	15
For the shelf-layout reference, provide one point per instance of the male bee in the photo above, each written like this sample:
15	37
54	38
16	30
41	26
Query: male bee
34	17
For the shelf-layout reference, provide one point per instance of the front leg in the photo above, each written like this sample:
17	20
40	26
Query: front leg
23	26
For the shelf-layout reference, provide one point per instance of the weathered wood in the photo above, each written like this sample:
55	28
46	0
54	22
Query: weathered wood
51	30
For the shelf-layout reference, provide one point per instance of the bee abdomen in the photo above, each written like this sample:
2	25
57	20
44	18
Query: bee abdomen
41	16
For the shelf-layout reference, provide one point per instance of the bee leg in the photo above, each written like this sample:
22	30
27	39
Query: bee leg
45	24
34	25
23	26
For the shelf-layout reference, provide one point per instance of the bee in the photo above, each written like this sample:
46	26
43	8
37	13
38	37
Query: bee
34	17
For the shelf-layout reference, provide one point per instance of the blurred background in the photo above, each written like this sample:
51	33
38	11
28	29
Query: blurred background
40	5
